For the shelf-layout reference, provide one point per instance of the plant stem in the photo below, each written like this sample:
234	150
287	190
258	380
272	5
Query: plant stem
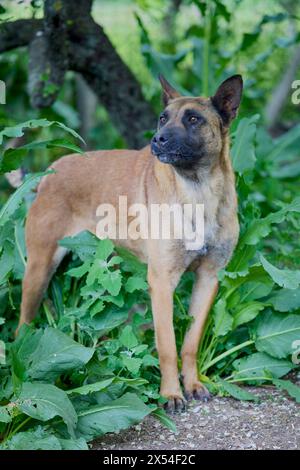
227	353
49	315
19	247
177	298
246	379
12	433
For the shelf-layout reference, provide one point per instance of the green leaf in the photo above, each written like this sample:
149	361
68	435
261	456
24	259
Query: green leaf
128	338
243	151
80	271
62	143
44	401
285	300
254	290
283	142
259	366
18	130
292	389
164	419
130	262
136	382
105	321
7	260
91	388
12	159
97	307
290	279
135	283
26	343
276	332
105	249
69	131
133	364
260	228
239	264
237	392
84	244
117	415
56	353
246	313
16	198
40	439
110	280
73	444
5	416
223	321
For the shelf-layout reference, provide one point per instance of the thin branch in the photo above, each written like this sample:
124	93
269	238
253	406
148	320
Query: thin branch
18	33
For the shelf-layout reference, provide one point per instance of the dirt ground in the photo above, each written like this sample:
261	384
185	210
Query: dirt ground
222	423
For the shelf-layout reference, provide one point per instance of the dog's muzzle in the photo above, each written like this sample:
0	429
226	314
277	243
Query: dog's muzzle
171	150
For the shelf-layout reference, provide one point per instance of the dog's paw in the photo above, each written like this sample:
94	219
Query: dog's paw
197	391
175	405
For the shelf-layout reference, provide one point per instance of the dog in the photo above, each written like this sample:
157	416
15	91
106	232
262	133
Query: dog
188	161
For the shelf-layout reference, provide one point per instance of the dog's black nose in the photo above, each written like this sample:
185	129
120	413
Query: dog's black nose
160	139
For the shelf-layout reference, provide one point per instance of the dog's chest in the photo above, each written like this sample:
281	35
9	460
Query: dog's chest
201	226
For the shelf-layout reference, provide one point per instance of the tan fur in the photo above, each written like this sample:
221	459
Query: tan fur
66	204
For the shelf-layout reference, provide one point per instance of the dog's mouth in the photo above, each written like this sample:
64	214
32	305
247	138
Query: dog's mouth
174	156
171	157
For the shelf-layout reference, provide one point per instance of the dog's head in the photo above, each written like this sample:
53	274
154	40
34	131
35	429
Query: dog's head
191	129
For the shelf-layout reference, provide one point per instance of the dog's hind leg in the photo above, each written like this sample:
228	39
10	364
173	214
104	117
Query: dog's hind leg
38	273
43	255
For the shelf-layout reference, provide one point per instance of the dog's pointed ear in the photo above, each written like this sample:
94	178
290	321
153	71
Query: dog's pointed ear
228	97
169	93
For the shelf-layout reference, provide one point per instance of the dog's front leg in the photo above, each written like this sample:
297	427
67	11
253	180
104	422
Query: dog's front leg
161	290
204	292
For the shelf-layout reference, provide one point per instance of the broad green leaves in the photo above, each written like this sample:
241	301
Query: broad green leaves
276	332
119	414
285	300
222	319
236	392
45	401
127	338
12	158
15	200
33	440
45	356
56	353
292	389
111	282
247	312
40	439
243	151
283	277
260	367
260	228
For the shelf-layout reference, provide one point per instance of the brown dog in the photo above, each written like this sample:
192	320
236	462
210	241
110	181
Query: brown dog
188	162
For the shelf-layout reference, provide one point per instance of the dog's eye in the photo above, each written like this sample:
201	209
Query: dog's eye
162	119
193	119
